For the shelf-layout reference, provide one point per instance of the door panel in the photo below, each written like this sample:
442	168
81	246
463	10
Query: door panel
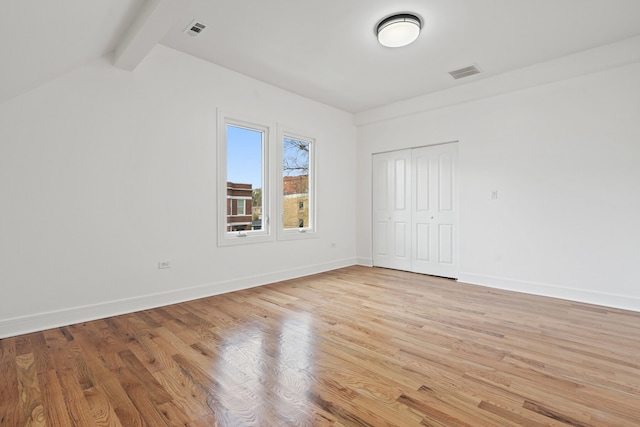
445	182
400	184
436	226
422	242
381	238
445	244
421	163
423	181
400	234
392	210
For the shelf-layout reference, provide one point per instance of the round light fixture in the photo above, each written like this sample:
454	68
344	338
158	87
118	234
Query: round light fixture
398	30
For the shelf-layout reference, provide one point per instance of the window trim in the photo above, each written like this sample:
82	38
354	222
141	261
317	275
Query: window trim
265	234
311	231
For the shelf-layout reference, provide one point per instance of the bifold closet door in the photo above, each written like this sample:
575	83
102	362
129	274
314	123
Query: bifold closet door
415	210
392	210
434	214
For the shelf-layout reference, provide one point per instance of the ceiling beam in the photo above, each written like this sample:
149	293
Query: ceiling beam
154	20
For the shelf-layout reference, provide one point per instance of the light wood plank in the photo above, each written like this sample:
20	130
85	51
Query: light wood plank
352	347
29	388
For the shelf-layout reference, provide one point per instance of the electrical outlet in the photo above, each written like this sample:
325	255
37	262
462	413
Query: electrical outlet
494	194
164	264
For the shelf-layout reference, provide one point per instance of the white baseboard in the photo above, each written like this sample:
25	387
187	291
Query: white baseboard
365	262
73	315
543	289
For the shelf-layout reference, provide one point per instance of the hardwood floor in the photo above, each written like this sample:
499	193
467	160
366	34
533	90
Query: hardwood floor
352	347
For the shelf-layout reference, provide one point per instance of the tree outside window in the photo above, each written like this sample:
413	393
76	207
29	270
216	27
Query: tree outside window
296	167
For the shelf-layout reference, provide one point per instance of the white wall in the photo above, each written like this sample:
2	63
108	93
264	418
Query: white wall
104	173
565	160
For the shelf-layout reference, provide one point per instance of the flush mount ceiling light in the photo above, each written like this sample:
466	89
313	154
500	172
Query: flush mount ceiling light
398	30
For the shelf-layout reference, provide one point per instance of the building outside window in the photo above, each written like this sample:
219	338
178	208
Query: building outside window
295	195
297	183
239	206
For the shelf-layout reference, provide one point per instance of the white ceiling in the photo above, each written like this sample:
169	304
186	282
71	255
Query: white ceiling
324	50
42	39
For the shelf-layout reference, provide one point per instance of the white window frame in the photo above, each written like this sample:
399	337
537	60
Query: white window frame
229	238
311	231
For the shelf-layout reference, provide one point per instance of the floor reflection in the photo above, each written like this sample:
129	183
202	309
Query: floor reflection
272	362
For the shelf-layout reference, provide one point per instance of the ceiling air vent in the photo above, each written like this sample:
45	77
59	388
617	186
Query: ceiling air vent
465	72
195	28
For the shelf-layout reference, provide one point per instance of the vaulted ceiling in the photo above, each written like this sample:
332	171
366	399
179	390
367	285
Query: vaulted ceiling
324	50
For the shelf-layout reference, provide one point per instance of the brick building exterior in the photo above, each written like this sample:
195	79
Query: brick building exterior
239	206
295	201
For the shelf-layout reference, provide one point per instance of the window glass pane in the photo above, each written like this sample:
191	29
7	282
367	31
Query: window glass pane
244	178
295	185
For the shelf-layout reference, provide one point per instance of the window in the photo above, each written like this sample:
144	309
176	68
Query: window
297	191
246	167
240	206
243	179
